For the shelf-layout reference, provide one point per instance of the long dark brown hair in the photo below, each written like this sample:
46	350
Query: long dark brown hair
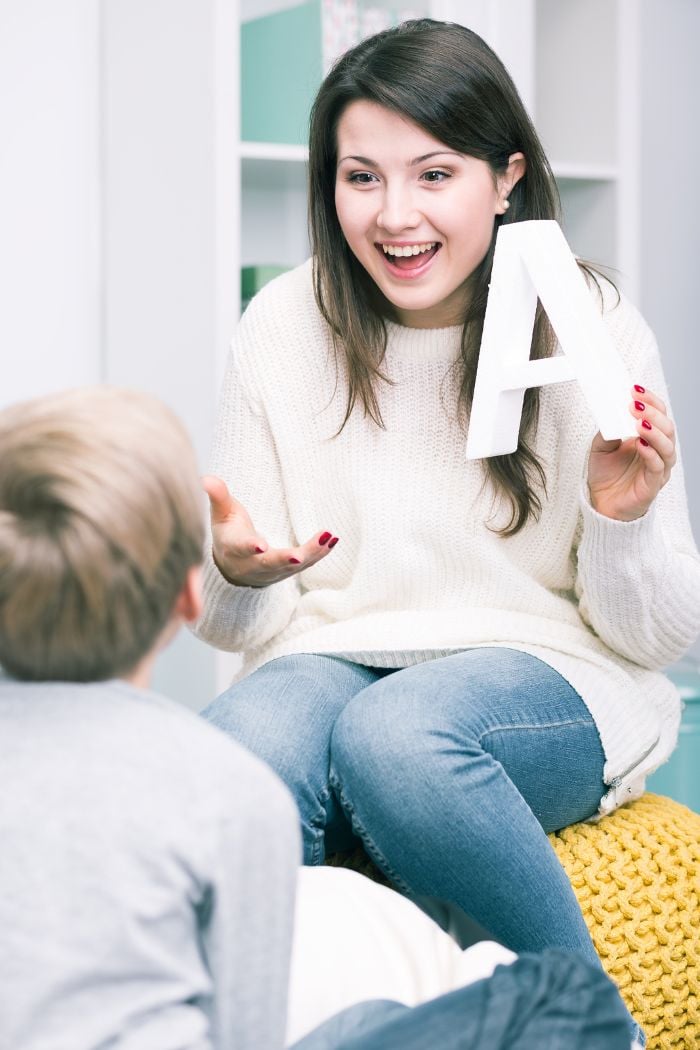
444	78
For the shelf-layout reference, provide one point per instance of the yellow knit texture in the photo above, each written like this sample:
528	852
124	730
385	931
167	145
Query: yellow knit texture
636	874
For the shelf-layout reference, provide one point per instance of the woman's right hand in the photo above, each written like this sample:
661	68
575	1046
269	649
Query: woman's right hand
242	555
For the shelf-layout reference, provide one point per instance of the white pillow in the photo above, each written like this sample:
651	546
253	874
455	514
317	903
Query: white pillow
356	940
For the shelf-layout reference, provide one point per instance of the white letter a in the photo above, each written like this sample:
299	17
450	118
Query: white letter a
532	259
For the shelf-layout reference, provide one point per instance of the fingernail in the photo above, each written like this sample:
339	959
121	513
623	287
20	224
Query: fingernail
639	389
646	424
333	542
294	561
324	538
259	550
640	406
643	442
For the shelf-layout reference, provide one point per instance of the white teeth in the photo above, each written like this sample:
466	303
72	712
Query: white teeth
409	249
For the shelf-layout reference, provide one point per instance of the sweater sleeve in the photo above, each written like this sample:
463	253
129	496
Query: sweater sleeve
638	582
245	456
247	936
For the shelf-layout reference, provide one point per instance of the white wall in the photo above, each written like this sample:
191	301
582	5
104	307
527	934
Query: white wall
169	261
49	196
108	246
670	224
158	218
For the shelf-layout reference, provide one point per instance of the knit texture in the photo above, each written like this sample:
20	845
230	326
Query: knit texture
419	571
636	874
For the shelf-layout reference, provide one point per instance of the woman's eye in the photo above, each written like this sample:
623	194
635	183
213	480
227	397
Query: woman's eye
435	176
362	178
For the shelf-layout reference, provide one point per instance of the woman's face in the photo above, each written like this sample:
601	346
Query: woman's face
417	215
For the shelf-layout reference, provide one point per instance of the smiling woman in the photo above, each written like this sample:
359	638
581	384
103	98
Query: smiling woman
446	658
417	213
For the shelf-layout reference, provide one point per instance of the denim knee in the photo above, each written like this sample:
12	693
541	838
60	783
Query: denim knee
364	737
390	732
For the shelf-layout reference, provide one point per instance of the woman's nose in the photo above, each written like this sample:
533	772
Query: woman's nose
398	211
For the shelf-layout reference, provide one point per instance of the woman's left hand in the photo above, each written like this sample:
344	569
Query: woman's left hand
624	477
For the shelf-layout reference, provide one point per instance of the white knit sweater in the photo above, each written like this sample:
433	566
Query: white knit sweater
417	573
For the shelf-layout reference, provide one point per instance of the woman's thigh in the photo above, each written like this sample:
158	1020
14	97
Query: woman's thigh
285	713
439	716
451	772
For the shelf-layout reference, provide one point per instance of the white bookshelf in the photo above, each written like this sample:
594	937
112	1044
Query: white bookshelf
584	112
279	153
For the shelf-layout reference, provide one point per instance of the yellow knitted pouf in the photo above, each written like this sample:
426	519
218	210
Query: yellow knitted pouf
636	874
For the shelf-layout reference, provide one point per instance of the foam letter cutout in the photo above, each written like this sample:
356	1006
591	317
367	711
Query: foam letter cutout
533	259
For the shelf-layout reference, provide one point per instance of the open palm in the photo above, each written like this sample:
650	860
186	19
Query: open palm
245	557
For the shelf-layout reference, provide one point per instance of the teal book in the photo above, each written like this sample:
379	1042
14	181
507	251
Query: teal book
281	71
679	778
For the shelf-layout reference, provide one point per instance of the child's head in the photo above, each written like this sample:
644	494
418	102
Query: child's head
446	81
100	522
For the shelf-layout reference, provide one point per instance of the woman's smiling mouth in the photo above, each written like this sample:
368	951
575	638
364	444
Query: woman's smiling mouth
407	260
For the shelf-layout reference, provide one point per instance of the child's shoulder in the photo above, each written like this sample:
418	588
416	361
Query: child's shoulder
196	745
113	729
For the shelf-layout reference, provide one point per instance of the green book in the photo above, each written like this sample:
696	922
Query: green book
253	278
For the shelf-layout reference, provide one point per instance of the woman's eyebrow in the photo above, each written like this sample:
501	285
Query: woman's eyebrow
361	160
411	163
436	153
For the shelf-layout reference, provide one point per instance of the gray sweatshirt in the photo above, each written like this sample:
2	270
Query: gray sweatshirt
147	877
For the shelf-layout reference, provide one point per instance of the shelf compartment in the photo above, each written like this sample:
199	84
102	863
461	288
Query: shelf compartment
576	95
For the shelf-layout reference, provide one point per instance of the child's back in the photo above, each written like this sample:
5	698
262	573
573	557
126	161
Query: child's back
147	863
148	874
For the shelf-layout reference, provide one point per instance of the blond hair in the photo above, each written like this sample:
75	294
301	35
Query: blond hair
100	520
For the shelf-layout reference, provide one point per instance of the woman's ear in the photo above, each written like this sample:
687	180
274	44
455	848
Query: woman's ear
507	180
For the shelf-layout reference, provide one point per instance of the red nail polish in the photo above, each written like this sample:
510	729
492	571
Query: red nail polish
294	561
640	406
646	424
333	542
643	442
259	550
324	538
639	389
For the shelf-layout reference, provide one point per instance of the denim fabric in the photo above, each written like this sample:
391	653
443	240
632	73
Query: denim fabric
451	772
540	1002
285	713
355	1022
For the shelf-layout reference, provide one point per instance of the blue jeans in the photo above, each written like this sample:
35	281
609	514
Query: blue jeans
451	773
541	1002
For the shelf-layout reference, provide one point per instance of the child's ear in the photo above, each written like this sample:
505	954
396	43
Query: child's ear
188	604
